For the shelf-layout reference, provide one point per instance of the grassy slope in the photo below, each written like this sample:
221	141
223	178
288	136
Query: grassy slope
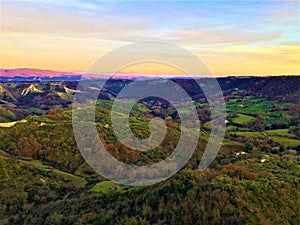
106	187
243	119
253	187
281	133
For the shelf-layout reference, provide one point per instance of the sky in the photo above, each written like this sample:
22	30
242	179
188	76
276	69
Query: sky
230	37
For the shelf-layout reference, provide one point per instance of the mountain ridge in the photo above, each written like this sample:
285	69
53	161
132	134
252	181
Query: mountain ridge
52	74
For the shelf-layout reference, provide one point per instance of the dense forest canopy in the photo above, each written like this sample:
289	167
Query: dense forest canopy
253	180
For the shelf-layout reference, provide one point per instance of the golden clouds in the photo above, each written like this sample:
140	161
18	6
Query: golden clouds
268	60
71	35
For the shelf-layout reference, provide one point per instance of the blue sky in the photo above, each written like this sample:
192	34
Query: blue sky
232	37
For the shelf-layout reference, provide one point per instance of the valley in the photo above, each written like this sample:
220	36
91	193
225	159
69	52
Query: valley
253	180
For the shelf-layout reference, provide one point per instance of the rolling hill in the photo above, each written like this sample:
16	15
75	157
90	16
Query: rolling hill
253	180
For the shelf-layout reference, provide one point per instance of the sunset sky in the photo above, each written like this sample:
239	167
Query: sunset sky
232	38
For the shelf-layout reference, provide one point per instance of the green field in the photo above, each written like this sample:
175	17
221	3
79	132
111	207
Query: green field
107	187
280	132
243	119
250	134
286	141
253	106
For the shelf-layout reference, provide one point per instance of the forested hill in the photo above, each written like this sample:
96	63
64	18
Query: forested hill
19	99
254	179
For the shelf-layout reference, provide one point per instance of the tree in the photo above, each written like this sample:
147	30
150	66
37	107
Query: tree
295	130
258	124
54	219
28	146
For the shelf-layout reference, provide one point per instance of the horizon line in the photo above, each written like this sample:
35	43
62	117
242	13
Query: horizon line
57	73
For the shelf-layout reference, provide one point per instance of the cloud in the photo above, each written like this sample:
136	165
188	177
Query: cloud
285	10
223	36
237	37
72	23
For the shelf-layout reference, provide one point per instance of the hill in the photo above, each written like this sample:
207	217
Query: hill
253	180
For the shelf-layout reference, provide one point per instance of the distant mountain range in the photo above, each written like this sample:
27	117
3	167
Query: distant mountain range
24	74
39	75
